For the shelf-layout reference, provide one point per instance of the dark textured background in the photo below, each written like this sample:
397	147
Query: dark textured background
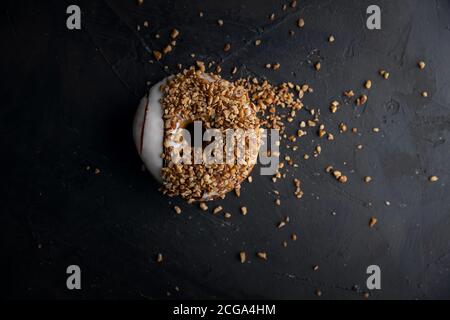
68	99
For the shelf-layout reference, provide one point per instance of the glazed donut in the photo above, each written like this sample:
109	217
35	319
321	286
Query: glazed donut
175	103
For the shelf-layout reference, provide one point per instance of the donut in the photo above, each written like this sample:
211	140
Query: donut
181	100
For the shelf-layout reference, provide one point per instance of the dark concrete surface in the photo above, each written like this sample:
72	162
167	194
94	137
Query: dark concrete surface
68	98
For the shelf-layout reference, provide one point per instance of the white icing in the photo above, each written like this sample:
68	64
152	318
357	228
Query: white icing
150	130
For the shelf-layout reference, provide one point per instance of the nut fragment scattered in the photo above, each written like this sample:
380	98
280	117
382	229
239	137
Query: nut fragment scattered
424	94
177	209
174	34
220	22
367	179
167	49
157	55
294	237
159	258
368	84
217	209
203	206
242	256
372	222
262	255
433	178
227	47
317	66
281	224
384	74
257	42
421	64
361	100
331	39
244	211
301	23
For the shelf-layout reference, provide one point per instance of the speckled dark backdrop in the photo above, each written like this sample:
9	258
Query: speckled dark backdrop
68	99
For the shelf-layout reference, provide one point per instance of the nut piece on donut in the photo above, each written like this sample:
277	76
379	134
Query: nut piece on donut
219	104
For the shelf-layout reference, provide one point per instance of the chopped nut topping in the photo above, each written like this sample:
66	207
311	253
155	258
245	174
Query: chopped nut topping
433	178
177	209
242	256
203	206
262	255
367	179
217	209
424	94
368	84
227	47
301	23
384	74
167	49
372	222
174	34
244	211
361	100
159	258
157	55
331	39
317	66
349	94
421	65
294	237
257	42
281	224
227	215
220	22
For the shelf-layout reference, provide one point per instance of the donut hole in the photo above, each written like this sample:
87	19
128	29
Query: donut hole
189	126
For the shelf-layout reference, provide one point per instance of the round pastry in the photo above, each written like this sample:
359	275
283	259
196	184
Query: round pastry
175	104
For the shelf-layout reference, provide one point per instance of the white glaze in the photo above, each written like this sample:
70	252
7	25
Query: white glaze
149	126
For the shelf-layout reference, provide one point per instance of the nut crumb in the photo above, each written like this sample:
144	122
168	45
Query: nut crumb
244	211
433	178
157	55
174	34
177	209
372	222
203	206
262	255
317	66
217	209
242	256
